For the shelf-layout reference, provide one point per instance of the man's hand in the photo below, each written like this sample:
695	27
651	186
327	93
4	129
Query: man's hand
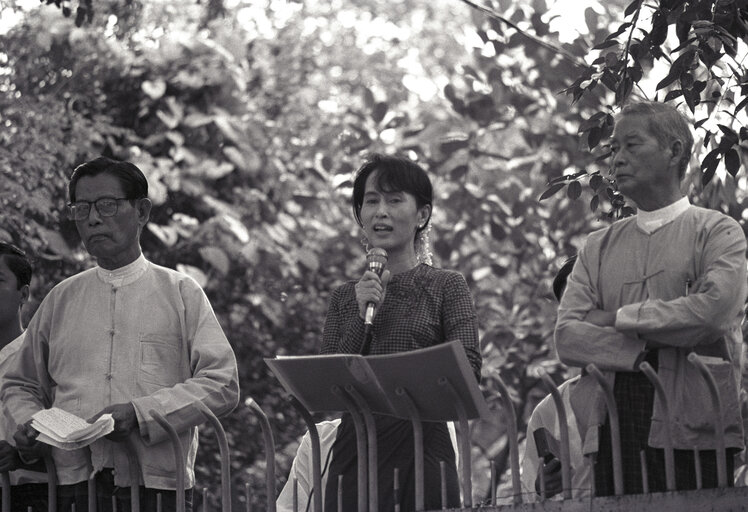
601	318
551	471
125	420
9	459
29	449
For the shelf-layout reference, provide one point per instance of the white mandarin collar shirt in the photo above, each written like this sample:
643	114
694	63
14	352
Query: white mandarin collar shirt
650	222
124	275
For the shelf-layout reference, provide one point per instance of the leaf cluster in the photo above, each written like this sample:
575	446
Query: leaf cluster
701	47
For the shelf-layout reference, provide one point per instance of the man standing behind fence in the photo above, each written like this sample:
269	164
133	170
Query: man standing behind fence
126	337
28	484
655	287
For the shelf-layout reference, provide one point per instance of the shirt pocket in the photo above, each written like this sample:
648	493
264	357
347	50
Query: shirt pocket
695	401
670	284
159	359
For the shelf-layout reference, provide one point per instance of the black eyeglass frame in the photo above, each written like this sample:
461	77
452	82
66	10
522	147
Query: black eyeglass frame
85	206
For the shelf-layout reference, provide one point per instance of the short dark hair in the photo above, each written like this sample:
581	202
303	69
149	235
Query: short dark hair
17	262
396	174
559	282
666	124
132	179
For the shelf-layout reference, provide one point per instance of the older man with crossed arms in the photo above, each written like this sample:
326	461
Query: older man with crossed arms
655	287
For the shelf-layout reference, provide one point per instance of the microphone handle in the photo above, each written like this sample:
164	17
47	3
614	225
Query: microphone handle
369	314
368	321
377	267
367	340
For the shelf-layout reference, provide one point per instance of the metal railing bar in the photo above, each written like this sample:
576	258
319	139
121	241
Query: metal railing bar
415	419
5	480
669	456
511	439
361	449
371	434
178	457
464	438
563	426
316	490
615	433
719	423
223	447
267	433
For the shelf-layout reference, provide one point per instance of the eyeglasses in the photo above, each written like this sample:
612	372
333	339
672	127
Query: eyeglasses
106	206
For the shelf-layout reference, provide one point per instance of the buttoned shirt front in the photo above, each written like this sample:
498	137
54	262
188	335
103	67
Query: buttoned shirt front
143	334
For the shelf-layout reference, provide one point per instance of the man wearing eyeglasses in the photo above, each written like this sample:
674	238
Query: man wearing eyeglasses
126	337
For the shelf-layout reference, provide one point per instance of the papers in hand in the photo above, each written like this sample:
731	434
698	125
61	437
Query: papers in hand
67	431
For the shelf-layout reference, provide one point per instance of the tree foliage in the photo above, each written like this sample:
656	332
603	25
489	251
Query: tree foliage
249	119
682	52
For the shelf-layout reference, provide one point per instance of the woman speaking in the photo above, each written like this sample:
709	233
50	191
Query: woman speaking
415	306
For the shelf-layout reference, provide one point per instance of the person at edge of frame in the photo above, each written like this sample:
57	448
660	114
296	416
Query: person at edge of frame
28	482
544	416
657	287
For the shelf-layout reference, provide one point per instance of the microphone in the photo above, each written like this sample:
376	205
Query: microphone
376	259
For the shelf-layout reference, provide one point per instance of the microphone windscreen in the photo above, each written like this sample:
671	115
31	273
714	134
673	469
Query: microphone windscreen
376	256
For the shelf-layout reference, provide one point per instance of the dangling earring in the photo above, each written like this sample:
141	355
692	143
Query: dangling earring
423	245
364	243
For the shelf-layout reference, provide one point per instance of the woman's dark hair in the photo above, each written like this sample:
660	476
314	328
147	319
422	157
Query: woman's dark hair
130	177
396	174
17	262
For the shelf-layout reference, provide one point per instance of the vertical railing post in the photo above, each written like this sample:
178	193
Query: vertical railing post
178	456
719	422
361	450
269	452
615	432
669	454
49	465
371	434
134	467
92	501
91	488
5	481
316	456
415	419
223	447
511	439
563	426
467	464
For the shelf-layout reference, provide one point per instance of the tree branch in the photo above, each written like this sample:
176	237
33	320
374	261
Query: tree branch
556	49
